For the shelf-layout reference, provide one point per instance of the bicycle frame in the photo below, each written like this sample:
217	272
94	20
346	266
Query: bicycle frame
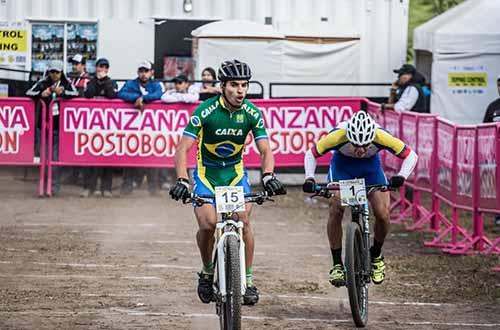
358	211
227	226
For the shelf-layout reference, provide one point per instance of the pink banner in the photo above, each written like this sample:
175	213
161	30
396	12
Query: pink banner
17	131
425	149
409	133
103	132
295	125
377	115
488	158
392	124
466	139
445	159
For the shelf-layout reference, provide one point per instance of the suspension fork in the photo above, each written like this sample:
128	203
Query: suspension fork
365	217
221	235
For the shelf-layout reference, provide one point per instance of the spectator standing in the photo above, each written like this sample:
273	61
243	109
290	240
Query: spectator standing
100	86
208	88
53	85
142	90
492	115
182	92
79	77
406	92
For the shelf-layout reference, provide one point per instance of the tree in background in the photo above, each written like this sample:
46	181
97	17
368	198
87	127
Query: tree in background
422	11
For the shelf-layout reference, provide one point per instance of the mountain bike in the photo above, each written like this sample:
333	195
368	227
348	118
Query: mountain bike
229	250
357	242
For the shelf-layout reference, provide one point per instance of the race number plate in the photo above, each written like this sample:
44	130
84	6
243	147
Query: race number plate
229	199
352	192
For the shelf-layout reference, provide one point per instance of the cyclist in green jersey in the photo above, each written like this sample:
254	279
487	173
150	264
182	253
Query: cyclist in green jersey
221	125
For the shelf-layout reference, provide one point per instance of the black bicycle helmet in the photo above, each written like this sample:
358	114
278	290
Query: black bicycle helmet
234	70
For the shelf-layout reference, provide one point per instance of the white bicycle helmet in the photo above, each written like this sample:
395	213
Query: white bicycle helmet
361	129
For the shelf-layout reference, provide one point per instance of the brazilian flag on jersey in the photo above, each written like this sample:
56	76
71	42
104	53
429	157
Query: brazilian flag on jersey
221	135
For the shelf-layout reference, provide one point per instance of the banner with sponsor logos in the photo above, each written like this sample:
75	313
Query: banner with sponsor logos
17	131
425	149
445	159
112	132
465	181
409	133
488	156
392	122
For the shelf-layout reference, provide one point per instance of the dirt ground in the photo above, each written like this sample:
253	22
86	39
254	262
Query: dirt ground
130	263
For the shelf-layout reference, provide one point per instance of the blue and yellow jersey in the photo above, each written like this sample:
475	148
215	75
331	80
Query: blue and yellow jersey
337	140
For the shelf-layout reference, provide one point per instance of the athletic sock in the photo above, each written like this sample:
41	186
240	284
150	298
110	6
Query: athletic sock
376	249
208	268
249	275
337	256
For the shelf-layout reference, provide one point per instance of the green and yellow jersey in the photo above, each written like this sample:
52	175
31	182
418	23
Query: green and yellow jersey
221	135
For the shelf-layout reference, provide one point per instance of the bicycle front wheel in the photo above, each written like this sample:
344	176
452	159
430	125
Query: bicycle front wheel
356	285
231	306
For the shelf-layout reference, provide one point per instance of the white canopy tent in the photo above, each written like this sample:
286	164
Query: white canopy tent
273	57
460	52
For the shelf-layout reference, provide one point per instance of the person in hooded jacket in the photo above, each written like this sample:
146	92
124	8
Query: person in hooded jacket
53	85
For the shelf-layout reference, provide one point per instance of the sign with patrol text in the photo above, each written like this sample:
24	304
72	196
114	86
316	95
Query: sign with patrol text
13	43
467	79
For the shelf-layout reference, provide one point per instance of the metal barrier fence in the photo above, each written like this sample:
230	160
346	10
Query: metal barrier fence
18	133
458	166
97	132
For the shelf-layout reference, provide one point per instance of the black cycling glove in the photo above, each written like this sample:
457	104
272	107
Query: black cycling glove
309	186
180	190
396	181
272	185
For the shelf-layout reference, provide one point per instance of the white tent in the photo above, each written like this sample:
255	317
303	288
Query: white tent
460	52
275	58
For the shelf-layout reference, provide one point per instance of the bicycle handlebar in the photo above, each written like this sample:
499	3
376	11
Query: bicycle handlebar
325	189
252	197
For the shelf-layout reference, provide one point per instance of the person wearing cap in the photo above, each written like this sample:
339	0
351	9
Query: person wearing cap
406	92
143	89
100	86
492	115
52	86
140	91
79	77
183	91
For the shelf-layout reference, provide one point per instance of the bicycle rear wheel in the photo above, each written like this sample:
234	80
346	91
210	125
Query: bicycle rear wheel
230	316
356	285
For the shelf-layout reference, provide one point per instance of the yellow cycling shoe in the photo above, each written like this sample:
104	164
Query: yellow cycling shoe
378	270
337	276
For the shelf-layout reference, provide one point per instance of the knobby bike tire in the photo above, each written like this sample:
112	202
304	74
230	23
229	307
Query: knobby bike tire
232	306
355	283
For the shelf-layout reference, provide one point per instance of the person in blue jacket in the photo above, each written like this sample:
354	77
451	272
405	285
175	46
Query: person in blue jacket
142	90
